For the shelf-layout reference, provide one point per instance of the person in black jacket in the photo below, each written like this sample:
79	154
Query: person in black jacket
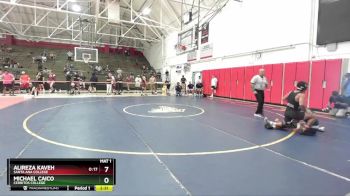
119	84
178	89
93	80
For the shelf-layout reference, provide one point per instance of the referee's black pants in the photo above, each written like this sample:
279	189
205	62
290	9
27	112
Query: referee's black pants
260	98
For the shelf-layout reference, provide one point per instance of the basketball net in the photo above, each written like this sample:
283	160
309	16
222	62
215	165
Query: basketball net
86	59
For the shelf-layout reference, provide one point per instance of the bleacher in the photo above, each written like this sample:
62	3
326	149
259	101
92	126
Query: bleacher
24	55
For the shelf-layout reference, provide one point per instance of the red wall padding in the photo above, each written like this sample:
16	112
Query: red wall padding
276	83
316	89
235	82
332	73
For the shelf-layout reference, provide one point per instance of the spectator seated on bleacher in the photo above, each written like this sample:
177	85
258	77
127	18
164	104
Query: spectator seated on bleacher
98	68
119	71
107	69
337	105
46	71
44	59
52	56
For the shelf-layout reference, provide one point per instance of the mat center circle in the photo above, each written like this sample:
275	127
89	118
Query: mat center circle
163	110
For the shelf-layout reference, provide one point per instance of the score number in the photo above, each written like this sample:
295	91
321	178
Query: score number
106	179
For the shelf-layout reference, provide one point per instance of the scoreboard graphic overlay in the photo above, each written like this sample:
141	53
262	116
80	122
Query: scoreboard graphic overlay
61	174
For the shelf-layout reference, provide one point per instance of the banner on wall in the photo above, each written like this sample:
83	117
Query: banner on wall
206	51
192	56
205	33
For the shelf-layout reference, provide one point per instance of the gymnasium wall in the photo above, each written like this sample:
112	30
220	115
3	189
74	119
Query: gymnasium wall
280	30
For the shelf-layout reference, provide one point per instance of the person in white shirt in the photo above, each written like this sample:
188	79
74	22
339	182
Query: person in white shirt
138	82
214	83
69	55
110	81
258	85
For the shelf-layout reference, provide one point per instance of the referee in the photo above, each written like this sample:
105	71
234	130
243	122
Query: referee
258	84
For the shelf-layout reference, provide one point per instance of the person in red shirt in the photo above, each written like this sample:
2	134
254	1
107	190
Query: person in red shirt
51	80
8	80
24	81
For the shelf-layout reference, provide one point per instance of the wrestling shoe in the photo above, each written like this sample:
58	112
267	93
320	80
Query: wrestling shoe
258	115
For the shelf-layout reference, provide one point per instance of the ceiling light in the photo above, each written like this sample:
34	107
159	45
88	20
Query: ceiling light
146	11
76	8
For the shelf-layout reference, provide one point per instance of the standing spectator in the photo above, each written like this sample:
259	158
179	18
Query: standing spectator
1	81
128	82
69	55
143	85
214	85
152	84
258	85
144	68
93	81
138	81
82	80
40	81
110	81
167	83
190	87
132	77
183	84
8	81
178	89
199	86
167	76
52	56
119	83
68	81
51	80
77	83
24	82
